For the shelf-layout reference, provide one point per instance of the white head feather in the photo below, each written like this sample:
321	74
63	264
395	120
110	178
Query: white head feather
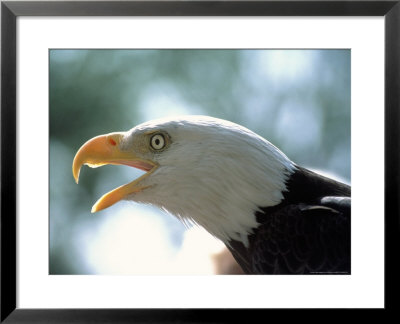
214	173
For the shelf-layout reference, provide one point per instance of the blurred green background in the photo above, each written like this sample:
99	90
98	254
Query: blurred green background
297	99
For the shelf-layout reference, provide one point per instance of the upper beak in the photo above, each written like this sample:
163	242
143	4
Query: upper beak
105	149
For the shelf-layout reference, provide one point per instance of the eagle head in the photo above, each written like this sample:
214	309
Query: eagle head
203	170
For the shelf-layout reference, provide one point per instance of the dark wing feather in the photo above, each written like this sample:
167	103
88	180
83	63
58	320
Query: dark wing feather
301	239
308	232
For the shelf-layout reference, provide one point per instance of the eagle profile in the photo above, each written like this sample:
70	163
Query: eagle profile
274	216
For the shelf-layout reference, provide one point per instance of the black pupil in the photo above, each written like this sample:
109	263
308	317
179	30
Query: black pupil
157	141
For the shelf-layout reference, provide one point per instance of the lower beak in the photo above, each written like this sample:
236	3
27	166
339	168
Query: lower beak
105	149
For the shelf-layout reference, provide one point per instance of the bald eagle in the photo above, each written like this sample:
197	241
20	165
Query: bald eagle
274	216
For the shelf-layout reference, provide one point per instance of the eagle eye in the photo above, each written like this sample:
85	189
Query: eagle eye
157	141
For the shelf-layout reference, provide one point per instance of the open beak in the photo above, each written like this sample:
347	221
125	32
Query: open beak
105	149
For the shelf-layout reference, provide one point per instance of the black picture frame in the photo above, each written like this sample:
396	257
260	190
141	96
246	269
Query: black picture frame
10	10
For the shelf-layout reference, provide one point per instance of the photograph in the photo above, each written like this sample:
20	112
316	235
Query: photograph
196	161
199	161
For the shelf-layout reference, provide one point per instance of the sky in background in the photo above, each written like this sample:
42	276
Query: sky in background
297	99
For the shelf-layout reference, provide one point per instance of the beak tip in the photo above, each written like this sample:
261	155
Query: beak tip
76	168
95	208
76	175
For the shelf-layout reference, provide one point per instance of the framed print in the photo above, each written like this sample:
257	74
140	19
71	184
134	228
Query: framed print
320	77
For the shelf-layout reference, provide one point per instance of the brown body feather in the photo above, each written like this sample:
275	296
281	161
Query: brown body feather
307	233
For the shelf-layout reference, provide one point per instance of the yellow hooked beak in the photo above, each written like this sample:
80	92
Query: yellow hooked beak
105	149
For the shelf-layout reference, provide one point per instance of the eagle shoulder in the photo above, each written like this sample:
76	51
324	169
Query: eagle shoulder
302	239
307	233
